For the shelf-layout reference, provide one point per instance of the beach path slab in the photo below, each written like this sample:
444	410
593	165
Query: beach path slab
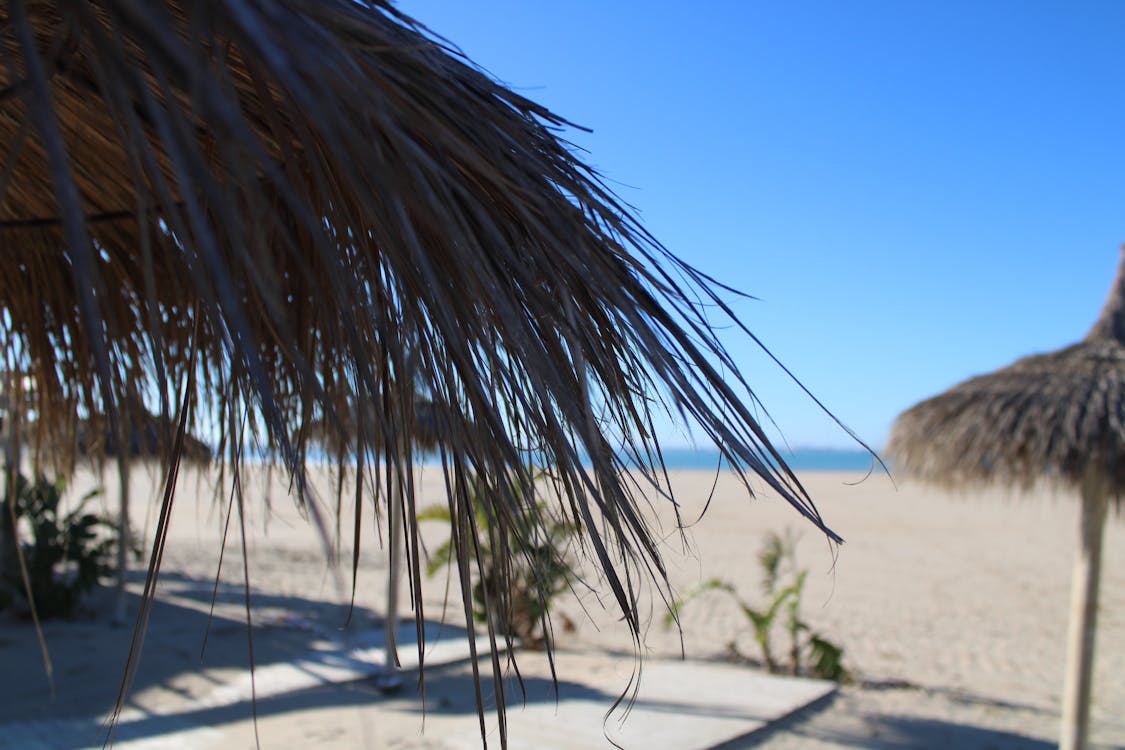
183	696
680	705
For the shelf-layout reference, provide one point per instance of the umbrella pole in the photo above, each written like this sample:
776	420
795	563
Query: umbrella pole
11	466
389	680
1083	619
123	541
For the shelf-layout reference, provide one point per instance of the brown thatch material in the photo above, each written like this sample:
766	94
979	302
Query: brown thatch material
1054	416
1059	417
337	435
265	212
147	437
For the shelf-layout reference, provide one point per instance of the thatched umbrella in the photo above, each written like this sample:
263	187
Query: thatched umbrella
147	436
1059	417
263	211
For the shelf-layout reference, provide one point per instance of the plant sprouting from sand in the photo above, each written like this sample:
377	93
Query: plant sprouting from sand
541	569
783	584
67	554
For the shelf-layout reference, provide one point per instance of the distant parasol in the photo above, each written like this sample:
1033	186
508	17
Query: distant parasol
1058	416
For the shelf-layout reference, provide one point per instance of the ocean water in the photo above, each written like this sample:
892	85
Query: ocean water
800	459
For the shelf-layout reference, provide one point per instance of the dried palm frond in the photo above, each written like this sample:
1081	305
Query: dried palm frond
272	211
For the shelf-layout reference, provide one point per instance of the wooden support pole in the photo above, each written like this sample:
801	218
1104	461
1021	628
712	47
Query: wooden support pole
389	680
124	542
1083	619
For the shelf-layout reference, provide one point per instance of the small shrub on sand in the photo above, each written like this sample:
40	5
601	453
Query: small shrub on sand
67	554
542	570
783	584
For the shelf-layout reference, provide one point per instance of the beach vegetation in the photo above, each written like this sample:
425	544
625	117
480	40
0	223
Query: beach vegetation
68	552
783	585
540	568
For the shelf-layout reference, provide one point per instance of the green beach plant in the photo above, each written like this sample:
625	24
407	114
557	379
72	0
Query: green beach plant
783	584
540	569
68	552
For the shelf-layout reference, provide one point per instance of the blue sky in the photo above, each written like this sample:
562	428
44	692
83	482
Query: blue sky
916	192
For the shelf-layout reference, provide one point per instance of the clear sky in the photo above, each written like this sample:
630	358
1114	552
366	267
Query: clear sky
916	192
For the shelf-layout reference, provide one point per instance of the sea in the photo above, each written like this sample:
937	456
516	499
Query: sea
799	459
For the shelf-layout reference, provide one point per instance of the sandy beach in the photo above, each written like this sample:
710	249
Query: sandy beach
952	611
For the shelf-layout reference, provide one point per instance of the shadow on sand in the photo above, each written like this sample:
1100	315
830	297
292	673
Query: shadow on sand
290	633
885	732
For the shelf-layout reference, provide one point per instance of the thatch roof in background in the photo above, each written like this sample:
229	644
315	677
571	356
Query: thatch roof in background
270	211
1058	417
337	434
147	436
1054	416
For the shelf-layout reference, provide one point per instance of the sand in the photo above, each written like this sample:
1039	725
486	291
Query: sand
951	610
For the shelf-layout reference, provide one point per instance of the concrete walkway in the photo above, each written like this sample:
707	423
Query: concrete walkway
313	687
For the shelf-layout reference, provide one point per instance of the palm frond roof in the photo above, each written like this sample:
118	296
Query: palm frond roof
1057	416
272	211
